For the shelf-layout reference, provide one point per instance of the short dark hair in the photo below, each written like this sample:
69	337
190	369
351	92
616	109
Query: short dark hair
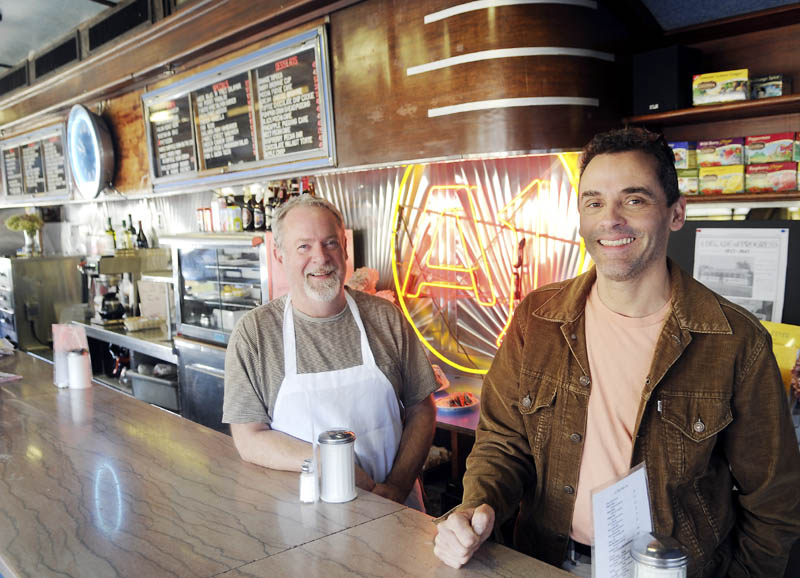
637	139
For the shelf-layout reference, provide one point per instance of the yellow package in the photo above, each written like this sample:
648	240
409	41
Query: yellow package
723	86
785	346
721	180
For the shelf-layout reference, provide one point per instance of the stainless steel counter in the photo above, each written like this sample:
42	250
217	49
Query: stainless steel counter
152	342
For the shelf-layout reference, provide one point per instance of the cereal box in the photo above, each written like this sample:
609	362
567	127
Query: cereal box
771	177
769	148
769	86
725	86
688	181
721	180
685	154
723	152
796	153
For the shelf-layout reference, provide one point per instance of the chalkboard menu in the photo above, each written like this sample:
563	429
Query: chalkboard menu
258	115
12	171
173	137
33	168
55	163
225	122
288	98
35	163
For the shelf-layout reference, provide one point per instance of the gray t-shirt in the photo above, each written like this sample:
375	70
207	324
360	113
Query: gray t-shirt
254	359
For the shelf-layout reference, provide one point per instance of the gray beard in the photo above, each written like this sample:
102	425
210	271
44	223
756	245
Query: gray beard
323	290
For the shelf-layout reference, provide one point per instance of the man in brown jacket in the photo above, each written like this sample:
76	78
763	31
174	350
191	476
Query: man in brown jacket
633	362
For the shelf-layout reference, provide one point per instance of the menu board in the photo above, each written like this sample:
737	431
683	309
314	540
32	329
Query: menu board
173	138
225	122
288	97
33	167
55	163
260	113
12	169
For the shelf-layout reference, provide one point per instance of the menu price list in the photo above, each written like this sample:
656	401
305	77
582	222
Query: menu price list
289	105
33	167
12	166
225	122
173	139
55	163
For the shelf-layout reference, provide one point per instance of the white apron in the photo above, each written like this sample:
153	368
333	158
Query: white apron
360	399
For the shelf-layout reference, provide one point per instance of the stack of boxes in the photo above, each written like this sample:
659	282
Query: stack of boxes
756	164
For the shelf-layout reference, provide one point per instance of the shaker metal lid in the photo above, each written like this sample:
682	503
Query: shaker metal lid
658	552
337	436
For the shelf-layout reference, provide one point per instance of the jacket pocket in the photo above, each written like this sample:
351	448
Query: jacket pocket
691	424
536	403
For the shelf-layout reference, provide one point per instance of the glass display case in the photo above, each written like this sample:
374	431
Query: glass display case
218	278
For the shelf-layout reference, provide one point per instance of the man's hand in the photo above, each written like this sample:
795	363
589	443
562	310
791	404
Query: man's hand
462	533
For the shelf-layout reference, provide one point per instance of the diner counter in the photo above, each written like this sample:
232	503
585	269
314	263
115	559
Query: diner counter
96	483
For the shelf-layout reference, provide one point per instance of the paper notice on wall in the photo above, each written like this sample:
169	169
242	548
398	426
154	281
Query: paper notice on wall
620	511
747	266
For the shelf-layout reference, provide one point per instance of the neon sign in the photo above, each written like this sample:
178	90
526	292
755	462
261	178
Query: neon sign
463	257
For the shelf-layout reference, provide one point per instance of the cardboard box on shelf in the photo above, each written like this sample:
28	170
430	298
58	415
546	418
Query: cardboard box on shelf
721	180
769	86
769	148
688	181
771	177
685	154
723	86
721	152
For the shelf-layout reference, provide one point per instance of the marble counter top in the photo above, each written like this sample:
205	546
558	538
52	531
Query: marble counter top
95	483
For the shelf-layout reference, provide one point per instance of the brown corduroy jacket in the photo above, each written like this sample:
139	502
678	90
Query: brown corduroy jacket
713	428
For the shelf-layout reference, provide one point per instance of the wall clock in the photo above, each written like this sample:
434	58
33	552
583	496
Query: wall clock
90	151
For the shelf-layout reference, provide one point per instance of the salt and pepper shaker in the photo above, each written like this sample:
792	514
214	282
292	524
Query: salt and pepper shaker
658	557
337	454
309	490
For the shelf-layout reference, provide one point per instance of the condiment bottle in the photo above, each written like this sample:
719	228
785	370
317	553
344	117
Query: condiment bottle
337	454
658	557
309	489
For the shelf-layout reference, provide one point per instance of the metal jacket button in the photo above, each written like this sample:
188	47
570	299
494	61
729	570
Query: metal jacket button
575	438
573	336
699	426
526	402
584	380
569	490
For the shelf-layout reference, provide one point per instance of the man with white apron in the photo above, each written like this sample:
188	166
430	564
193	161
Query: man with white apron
310	244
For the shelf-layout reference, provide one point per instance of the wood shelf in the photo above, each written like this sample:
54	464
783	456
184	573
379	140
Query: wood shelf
716	112
786	196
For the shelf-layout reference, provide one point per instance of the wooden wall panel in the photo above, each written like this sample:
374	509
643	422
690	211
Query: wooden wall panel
381	113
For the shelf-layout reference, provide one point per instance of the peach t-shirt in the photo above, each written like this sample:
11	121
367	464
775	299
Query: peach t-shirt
620	352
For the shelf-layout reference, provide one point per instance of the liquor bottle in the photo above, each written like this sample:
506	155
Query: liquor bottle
258	212
234	213
131	228
141	240
126	240
248	212
111	236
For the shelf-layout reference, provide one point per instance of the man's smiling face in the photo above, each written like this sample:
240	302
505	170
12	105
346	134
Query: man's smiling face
624	217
